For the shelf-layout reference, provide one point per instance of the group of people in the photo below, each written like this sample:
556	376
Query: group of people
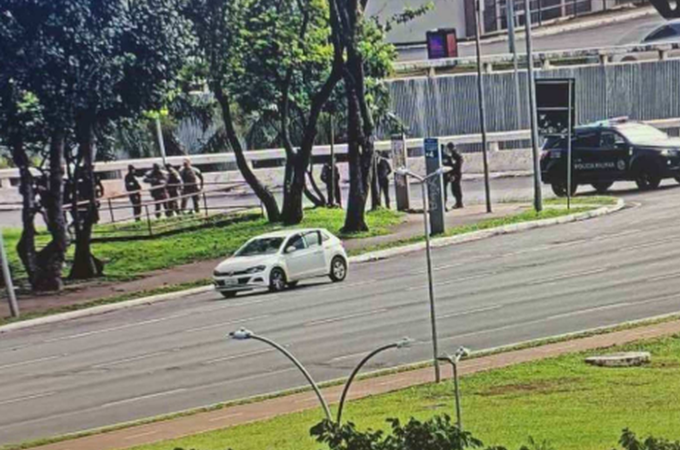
167	186
451	158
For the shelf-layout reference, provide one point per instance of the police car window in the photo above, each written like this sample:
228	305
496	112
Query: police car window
609	139
587	140
313	239
662	33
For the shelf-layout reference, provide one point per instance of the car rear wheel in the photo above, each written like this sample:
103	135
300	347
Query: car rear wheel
560	188
646	179
602	186
338	269
277	280
228	294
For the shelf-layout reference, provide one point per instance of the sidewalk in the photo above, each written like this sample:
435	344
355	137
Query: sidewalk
202	270
239	415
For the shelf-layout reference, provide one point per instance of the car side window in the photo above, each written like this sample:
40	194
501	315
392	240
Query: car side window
662	33
587	140
325	237
610	139
313	239
297	242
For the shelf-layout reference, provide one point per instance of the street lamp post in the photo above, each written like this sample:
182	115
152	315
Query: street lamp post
7	275
404	343
161	141
482	104
538	196
244	335
430	282
453	360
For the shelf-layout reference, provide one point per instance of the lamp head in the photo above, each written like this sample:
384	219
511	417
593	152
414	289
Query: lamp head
241	334
462	352
403	171
405	343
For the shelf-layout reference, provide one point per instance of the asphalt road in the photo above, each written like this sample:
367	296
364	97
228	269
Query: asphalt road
171	356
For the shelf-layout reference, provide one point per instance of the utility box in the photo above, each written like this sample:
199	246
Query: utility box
402	185
435	186
442	43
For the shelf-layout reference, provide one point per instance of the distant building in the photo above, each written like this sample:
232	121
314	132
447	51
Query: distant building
459	14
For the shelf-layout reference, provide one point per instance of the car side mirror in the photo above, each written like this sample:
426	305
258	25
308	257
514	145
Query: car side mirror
291	249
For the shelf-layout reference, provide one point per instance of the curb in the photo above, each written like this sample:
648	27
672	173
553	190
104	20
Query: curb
484	234
97	310
369	257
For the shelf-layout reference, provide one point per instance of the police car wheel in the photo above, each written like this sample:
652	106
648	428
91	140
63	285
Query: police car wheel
646	180
560	188
602	187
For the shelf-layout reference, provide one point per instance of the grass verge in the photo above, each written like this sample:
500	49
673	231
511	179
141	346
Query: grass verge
562	401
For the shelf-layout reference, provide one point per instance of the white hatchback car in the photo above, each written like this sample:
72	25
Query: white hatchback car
279	260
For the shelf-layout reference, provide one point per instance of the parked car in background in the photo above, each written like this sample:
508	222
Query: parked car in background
279	260
662	32
609	151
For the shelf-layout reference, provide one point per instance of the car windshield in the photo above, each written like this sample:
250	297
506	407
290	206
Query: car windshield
640	133
259	247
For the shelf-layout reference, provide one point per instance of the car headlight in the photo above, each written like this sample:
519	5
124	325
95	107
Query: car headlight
217	273
669	153
256	269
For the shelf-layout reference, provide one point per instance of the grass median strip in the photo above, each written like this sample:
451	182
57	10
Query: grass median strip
562	400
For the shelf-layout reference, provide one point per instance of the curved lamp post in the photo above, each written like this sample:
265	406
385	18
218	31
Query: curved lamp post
453	360
244	335
404	343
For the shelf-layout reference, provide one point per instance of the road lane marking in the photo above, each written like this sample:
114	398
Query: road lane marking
131	359
242	379
345	317
142	397
471	311
567	276
108	330
589	310
27	397
223	324
225	417
240	355
32	361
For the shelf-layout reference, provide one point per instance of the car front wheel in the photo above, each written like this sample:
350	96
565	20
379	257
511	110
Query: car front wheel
647	180
338	269
560	188
277	280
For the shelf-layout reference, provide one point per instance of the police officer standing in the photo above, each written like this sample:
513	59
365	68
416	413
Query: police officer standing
454	160
174	187
159	189
384	172
190	177
334	198
133	188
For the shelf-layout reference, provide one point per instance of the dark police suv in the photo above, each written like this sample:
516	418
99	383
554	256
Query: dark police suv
609	151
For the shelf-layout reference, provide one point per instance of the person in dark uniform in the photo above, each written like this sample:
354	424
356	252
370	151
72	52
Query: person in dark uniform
133	188
384	172
190	177
174	187
453	159
159	192
326	176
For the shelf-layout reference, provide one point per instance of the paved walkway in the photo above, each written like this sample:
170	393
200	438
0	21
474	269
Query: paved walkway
238	415
85	293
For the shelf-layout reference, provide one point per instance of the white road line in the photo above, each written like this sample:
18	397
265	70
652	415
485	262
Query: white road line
33	361
225	417
142	397
345	317
589	310
471	311
567	276
28	397
240	355
241	380
131	359
223	324
108	330
136	436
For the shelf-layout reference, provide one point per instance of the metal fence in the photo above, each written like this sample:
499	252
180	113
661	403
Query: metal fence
447	105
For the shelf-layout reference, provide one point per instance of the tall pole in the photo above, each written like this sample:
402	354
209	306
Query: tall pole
430	282
331	201
512	42
538	197
161	142
569	149
482	105
13	305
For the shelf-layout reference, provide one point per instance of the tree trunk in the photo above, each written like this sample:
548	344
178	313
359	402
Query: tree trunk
51	259
85	265
26	244
261	191
294	187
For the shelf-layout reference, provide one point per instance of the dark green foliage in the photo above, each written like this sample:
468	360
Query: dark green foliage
629	441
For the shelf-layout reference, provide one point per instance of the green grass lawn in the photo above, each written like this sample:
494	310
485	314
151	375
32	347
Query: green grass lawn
582	200
130	259
571	405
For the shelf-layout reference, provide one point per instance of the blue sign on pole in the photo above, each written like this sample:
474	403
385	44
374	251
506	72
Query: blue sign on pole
435	186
